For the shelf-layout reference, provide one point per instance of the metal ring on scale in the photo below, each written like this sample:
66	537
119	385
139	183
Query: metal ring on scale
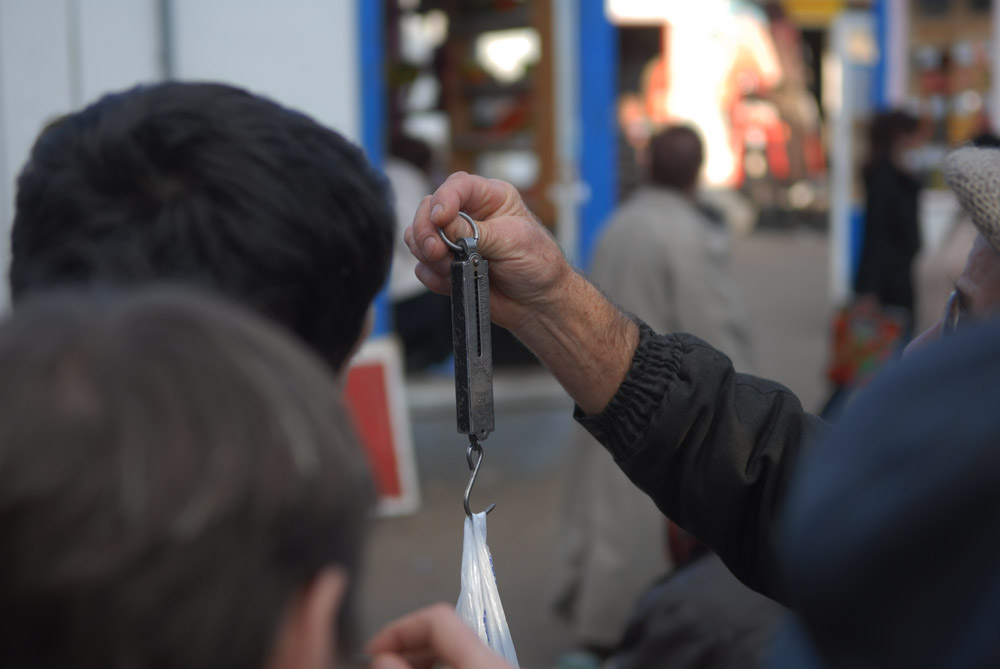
452	245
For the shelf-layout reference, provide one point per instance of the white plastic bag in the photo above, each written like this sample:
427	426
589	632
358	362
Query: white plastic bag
479	602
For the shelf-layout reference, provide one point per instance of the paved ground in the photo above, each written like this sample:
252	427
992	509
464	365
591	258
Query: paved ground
415	560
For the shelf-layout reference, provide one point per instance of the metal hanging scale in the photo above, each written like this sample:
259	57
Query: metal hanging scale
470	333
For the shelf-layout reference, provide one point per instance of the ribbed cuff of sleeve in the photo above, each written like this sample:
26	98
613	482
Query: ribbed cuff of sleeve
625	420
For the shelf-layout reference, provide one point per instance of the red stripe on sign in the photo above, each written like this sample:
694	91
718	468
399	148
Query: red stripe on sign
368	402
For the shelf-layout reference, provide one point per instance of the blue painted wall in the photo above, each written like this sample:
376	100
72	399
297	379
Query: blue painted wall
371	34
598	65
880	74
881	16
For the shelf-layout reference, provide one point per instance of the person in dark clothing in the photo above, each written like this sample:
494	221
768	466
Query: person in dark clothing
716	450
884	282
891	555
892	227
698	615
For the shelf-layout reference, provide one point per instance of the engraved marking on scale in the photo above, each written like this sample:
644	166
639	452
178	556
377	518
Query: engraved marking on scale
471	335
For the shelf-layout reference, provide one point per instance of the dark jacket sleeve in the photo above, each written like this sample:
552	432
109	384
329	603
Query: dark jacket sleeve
713	448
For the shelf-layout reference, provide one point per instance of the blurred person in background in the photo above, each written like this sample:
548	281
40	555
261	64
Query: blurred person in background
718	451
633	134
665	259
892	226
421	318
699	616
884	296
180	487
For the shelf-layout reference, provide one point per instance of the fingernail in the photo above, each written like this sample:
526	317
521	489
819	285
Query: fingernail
436	211
429	245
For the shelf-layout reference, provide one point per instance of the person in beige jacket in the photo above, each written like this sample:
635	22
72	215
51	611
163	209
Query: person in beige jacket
667	260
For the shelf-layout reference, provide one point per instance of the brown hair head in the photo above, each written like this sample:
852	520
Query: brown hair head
172	470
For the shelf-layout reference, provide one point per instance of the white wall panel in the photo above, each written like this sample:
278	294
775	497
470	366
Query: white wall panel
119	44
35	85
57	55
302	53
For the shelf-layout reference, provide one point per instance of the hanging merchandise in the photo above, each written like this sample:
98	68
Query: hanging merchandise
479	601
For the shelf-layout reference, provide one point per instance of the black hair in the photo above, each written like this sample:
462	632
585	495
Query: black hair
675	157
986	140
209	185
173	471
887	129
415	151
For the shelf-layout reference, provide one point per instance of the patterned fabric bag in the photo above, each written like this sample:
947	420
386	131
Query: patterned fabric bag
865	337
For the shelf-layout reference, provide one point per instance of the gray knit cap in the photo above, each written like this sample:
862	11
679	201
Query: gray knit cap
974	174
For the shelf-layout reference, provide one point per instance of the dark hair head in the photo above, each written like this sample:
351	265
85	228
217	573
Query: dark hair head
172	471
986	140
414	151
209	185
886	131
675	157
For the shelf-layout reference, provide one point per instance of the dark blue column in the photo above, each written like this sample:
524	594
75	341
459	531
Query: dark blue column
371	79
598	64
880	73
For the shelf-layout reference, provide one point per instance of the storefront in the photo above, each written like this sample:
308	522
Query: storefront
508	89
930	57
940	64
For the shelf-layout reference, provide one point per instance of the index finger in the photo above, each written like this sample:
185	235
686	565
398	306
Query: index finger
480	198
477	196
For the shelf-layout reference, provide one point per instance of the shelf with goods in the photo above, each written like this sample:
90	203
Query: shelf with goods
501	126
949	82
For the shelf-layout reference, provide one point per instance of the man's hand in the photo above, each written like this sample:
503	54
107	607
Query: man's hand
584	340
430	636
527	268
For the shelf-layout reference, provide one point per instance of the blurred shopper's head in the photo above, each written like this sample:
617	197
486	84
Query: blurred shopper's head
675	158
890	134
986	140
179	487
209	185
413	150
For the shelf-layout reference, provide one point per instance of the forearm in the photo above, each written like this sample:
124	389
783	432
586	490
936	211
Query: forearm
584	340
713	448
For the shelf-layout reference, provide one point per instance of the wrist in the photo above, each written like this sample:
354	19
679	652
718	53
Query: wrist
585	340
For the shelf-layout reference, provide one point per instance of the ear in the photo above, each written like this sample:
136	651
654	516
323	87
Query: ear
305	637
